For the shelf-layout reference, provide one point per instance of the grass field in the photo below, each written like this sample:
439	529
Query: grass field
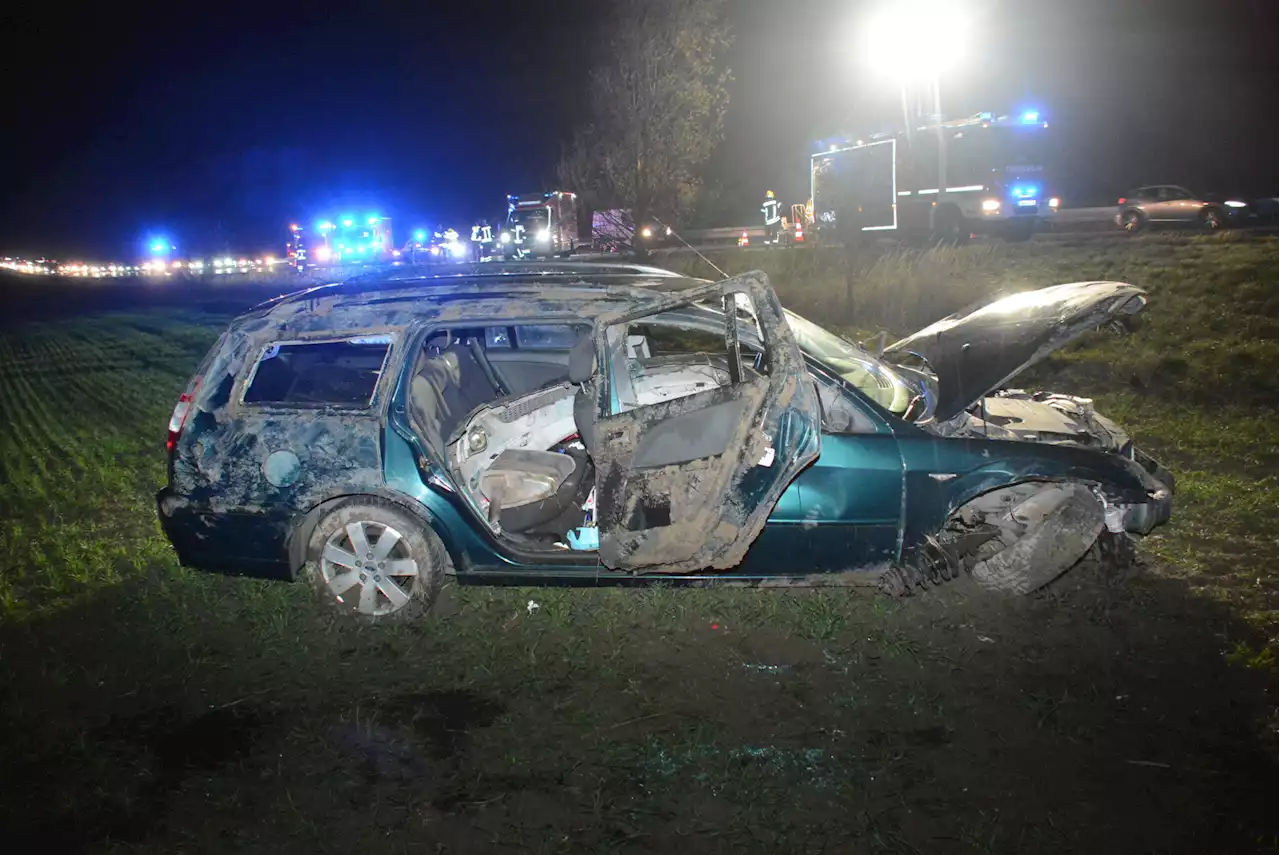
146	708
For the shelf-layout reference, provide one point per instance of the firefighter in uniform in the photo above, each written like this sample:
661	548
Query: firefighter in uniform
486	238
477	247
772	217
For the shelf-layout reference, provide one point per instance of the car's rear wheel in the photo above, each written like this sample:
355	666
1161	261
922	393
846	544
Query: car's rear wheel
1132	222
1212	220
373	560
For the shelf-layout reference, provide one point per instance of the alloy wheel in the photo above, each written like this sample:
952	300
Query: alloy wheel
369	567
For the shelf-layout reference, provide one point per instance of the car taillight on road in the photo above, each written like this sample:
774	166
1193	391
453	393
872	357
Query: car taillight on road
179	417
1120	201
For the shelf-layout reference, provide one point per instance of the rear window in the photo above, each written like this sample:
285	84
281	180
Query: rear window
323	373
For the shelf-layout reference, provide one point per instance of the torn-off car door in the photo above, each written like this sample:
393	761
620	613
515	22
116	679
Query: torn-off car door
686	483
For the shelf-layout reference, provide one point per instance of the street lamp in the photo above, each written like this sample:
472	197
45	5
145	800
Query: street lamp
915	42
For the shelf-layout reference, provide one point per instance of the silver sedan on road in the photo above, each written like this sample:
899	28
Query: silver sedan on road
1171	205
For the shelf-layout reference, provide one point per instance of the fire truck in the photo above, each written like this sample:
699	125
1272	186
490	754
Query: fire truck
341	241
946	181
540	225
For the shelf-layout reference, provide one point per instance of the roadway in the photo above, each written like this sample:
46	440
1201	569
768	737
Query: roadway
1067	224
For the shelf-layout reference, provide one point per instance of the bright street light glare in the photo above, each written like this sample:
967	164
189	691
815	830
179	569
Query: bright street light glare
931	32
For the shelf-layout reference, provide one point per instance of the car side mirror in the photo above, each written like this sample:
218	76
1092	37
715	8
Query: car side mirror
582	361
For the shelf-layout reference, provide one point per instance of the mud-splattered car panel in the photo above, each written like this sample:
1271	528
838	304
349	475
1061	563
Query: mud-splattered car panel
687	484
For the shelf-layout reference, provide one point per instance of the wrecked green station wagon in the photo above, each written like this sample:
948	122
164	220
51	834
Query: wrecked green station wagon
591	423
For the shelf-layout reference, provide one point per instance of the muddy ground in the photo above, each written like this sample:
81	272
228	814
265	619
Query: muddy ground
159	716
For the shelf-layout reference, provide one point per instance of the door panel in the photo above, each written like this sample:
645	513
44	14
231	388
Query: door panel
687	483
852	499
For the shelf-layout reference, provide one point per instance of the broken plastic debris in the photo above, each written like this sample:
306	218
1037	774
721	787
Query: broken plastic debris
532	607
768	458
765	668
584	538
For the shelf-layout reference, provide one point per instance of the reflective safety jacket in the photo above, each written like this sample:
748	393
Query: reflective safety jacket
770	210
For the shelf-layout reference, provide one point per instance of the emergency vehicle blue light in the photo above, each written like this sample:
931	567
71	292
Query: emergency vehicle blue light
1024	191
1031	116
346	221
420	234
373	219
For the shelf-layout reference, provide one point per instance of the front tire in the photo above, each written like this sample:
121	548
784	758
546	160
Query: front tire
1132	222
372	560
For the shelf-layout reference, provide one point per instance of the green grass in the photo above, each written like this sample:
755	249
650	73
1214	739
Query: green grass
151	709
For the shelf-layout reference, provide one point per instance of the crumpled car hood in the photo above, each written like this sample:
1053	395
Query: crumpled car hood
976	351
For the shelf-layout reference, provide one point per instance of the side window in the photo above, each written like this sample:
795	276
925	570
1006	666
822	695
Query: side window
840	414
664	357
334	373
534	336
549	336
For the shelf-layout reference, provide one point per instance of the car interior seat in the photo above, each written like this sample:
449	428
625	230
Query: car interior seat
582	359
447	386
534	491
538	492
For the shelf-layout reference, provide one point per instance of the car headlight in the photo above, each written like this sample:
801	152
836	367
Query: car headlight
505	237
646	232
544	235
1235	204
1054	202
990	206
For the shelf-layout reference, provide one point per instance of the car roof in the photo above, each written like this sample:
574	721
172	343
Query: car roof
393	296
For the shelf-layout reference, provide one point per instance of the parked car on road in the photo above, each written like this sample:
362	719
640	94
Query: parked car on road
1168	205
596	423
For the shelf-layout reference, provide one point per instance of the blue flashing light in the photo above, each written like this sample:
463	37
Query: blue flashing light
159	246
1030	117
373	219
346	221
1024	191
420	235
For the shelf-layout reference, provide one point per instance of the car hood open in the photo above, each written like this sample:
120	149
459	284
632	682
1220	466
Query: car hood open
978	350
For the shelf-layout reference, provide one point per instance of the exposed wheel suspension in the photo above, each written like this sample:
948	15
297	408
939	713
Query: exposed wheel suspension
937	560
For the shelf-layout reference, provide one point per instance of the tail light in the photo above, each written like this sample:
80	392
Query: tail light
1120	201
180	412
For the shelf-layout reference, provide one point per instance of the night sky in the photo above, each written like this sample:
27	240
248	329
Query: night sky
221	123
